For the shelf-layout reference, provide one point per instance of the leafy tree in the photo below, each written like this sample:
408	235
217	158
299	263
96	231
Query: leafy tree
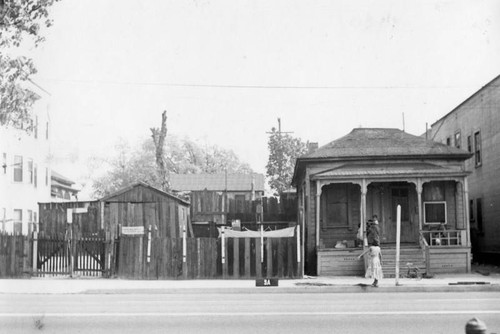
20	22
181	156
283	152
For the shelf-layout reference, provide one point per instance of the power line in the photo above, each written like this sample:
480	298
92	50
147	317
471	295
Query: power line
233	86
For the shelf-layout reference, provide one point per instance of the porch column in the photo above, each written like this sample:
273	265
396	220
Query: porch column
467	214
419	198
318	201
364	189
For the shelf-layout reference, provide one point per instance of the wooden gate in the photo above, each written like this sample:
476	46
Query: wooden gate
63	256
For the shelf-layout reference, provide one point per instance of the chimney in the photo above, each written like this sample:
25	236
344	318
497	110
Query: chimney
311	147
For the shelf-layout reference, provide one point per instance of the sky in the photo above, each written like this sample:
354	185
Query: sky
225	71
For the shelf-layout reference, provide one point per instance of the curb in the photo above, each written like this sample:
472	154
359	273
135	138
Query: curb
303	289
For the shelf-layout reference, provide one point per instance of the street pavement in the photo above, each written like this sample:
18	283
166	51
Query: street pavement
473	282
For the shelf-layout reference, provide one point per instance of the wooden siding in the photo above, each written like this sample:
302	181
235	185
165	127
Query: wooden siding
448	260
340	263
15	256
53	218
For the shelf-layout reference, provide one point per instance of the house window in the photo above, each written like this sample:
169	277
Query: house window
336	207
435	213
4	163
18	216
47	131
448	141
400	197
30	171
35	176
18	168
458	139
30	216
469	144
477	148
471	210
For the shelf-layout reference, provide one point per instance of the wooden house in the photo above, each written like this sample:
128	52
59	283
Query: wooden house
474	125
220	198
368	172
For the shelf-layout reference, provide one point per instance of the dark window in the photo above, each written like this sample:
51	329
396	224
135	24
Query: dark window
469	144
336	205
18	168
479	213
400	197
458	140
448	141
435	212
471	210
477	148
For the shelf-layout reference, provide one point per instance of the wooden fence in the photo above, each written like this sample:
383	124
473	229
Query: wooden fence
15	255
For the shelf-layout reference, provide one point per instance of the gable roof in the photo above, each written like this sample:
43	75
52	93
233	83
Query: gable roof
217	182
368	144
144	185
375	142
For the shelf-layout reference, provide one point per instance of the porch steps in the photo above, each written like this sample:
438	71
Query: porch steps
407	254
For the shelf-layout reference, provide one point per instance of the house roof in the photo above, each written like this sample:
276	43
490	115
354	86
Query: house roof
369	142
145	185
61	179
217	182
388	170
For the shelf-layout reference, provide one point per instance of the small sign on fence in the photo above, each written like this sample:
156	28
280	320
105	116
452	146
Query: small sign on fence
266	282
132	230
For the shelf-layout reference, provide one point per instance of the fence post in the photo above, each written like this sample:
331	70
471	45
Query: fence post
148	255
299	264
35	253
223	253
184	252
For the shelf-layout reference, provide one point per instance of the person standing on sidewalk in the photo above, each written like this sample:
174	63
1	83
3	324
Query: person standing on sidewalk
374	269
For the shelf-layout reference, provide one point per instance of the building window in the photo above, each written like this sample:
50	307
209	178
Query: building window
46	176
18	168
448	141
336	206
477	148
35	176
4	163
469	144
47	131
30	171
18	216
458	139
435	213
471	210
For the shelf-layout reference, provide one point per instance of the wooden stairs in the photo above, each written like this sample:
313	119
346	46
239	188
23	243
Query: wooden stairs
410	256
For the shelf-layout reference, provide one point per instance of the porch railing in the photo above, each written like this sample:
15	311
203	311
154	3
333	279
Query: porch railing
443	238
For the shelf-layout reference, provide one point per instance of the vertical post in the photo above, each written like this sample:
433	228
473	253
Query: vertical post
318	208
35	252
184	251
261	243
149	245
398	240
223	253
419	196
363	211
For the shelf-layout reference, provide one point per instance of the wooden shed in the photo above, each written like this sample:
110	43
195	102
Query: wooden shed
141	205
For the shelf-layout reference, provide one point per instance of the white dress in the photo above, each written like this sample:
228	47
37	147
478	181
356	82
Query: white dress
374	269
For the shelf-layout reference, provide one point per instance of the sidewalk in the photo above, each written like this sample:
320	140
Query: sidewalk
473	282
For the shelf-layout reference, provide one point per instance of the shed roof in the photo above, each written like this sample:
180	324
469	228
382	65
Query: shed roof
376	142
217	182
144	185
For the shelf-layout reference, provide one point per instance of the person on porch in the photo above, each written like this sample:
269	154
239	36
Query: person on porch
373	231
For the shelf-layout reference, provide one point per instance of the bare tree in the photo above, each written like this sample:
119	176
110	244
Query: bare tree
159	136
